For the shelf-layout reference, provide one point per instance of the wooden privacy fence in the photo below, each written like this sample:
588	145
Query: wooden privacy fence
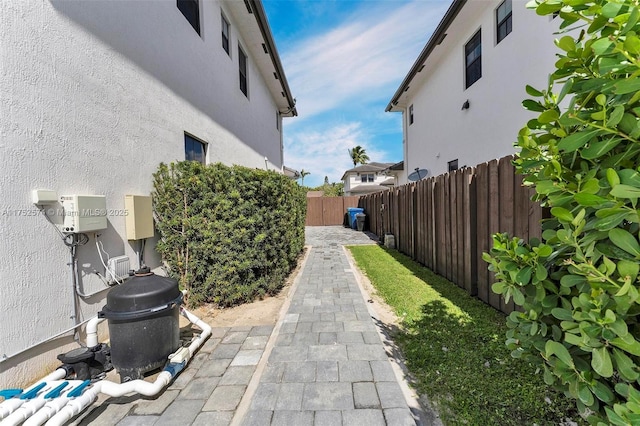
326	211
446	222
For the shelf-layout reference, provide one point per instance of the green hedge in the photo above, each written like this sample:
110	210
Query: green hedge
227	234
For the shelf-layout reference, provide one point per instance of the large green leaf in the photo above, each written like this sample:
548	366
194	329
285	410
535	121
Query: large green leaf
625	240
599	148
625	86
585	199
577	140
625	191
562	214
601	362
627	343
625	366
559	350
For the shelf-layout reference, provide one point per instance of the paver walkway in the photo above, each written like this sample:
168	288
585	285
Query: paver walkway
323	364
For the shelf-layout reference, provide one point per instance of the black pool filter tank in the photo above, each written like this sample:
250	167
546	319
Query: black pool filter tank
143	317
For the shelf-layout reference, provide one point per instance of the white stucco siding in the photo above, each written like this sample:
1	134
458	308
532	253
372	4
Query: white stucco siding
93	96
442	131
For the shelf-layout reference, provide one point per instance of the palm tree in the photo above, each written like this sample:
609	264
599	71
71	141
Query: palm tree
358	155
303	173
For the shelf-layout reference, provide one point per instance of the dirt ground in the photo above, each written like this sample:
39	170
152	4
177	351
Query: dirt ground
267	310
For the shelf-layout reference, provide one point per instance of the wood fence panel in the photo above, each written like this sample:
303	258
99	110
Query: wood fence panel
420	222
441	262
395	202
459	228
351	201
453	221
314	212
506	217
447	222
333	210
405	222
470	234
446	205
494	222
482	214
431	234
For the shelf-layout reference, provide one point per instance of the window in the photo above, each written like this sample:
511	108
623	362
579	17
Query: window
242	65
453	165
410	115
225	35
194	150
367	177
503	20
191	10
473	62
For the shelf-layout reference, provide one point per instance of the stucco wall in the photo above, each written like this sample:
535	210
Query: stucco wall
441	130
94	95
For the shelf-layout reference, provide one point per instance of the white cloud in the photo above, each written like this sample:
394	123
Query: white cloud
324	153
369	55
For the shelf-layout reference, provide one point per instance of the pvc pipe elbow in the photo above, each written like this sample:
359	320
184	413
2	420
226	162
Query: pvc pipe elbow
92	331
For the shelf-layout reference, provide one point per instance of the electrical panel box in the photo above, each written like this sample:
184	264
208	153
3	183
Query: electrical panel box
83	213
139	218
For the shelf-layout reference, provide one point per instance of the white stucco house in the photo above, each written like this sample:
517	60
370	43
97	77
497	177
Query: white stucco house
93	96
368	178
461	100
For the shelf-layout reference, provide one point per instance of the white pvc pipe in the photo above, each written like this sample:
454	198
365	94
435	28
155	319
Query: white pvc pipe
26	410
48	411
176	364
92	331
10	405
206	330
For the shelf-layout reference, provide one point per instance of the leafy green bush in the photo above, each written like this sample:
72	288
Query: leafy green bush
578	289
227	234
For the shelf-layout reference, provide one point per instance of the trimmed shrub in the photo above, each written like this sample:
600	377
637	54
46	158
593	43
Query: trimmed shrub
227	234
578	290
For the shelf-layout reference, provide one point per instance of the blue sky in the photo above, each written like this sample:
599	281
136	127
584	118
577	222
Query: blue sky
344	60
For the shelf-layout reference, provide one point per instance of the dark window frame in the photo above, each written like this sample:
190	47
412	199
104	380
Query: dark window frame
194	149
370	177
473	59
226	34
504	25
452	165
410	114
243	60
190	9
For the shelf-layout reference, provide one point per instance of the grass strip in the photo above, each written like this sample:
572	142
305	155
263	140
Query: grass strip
454	347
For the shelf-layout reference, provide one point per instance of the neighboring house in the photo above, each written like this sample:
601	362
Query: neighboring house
397	170
462	99
368	178
94	95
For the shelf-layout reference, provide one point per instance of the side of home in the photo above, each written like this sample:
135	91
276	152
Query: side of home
94	95
461	100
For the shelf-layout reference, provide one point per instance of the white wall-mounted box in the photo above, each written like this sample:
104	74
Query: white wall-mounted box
44	197
83	213
139	218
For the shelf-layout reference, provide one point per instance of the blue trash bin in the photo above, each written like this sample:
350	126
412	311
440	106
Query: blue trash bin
353	211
